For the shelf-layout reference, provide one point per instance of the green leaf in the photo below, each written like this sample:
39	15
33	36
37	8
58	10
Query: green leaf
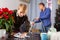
0	21
11	21
7	26
8	22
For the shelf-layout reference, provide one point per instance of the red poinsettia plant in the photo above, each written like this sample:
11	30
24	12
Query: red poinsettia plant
6	18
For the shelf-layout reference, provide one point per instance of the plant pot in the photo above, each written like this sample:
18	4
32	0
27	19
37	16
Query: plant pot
2	33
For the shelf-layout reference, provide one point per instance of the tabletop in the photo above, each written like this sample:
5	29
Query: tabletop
33	36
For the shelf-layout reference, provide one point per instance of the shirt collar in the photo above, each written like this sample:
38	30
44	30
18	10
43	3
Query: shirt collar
44	9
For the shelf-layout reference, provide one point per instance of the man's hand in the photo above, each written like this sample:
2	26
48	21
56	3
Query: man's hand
32	23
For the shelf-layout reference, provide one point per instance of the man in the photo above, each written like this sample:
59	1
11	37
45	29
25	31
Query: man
44	17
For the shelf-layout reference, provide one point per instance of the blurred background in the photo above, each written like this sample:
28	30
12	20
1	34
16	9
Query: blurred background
33	9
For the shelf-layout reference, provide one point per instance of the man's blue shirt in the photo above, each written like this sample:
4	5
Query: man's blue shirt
45	17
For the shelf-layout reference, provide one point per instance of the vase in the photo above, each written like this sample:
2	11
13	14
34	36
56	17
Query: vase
2	33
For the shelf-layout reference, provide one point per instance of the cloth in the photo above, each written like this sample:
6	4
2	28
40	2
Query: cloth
24	27
55	36
45	17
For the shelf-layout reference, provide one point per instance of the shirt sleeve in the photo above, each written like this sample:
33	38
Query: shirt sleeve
27	24
37	21
47	14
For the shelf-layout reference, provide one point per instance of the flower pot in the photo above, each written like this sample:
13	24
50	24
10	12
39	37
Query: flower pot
2	33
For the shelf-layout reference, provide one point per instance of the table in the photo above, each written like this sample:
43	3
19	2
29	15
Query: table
33	36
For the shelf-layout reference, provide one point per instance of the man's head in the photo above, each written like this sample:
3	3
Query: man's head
41	6
22	10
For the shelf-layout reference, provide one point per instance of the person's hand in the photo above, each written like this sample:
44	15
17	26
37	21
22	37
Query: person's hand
33	23
36	18
23	35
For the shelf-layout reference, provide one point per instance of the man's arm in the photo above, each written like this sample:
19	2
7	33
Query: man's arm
37	21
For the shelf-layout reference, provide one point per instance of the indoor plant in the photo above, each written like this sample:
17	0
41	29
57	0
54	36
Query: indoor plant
6	19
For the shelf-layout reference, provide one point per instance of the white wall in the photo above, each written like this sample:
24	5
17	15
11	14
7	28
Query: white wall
12	4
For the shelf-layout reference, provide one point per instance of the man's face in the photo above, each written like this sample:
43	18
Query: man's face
41	7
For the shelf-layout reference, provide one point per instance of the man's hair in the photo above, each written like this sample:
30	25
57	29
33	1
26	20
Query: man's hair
42	4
